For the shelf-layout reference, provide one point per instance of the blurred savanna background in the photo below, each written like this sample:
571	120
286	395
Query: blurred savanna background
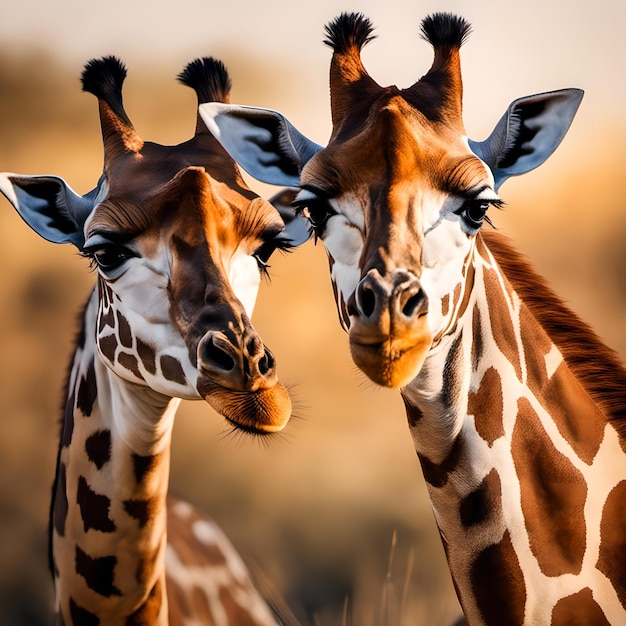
315	510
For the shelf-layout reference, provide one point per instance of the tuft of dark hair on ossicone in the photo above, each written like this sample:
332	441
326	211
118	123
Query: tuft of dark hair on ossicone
348	31
445	29
209	78
104	79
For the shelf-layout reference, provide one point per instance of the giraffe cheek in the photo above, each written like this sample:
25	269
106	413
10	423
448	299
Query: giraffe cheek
245	279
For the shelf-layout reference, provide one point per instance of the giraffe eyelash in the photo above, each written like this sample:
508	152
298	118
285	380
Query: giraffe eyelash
93	266
316	209
263	266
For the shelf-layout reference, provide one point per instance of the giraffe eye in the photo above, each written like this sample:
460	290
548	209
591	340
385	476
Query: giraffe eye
106	254
110	257
315	209
474	211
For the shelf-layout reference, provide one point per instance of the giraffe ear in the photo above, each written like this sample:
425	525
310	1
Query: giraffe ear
263	142
49	206
528	133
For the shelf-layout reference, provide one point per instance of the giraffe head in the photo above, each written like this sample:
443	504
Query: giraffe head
399	193
179	243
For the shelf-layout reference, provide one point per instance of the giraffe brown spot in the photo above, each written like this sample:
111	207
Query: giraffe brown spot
123	331
142	466
481	247
456	294
191	550
577	417
94	508
469	286
107	318
445	305
147	614
98	573
195	553
451	386
130	363
486	404
501	323
477	338
579	609
553	494
498	584
436	474
413	413
236	613
82	617
147	355
536	346
108	346
105	292
201	606
141	510
67	429
98	448
60	501
483	503
172	369
87	391
613	540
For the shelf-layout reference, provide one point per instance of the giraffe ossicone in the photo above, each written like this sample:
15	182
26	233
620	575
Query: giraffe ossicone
516	409
179	244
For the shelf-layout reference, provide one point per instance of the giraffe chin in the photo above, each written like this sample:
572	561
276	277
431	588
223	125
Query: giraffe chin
391	363
260	412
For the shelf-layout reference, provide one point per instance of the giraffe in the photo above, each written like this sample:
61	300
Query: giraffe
516	409
178	243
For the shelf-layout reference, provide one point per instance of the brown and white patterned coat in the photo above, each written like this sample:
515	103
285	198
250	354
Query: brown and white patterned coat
179	243
516	409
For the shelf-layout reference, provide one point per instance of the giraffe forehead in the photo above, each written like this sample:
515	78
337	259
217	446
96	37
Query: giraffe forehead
191	205
395	158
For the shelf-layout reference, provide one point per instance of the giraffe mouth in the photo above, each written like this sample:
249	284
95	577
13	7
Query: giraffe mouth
393	362
261	412
389	330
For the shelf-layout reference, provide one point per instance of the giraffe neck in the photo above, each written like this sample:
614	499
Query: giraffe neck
108	517
526	476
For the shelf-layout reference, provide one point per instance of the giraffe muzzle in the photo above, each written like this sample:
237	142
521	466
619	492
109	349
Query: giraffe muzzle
389	332
238	379
242	363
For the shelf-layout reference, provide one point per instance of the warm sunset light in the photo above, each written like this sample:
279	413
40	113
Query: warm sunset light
314	508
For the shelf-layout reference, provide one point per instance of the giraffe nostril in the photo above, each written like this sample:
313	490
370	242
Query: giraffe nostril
366	300
218	357
266	363
254	346
414	304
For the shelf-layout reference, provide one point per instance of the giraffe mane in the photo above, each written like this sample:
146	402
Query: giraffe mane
63	415
349	31
209	78
603	376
